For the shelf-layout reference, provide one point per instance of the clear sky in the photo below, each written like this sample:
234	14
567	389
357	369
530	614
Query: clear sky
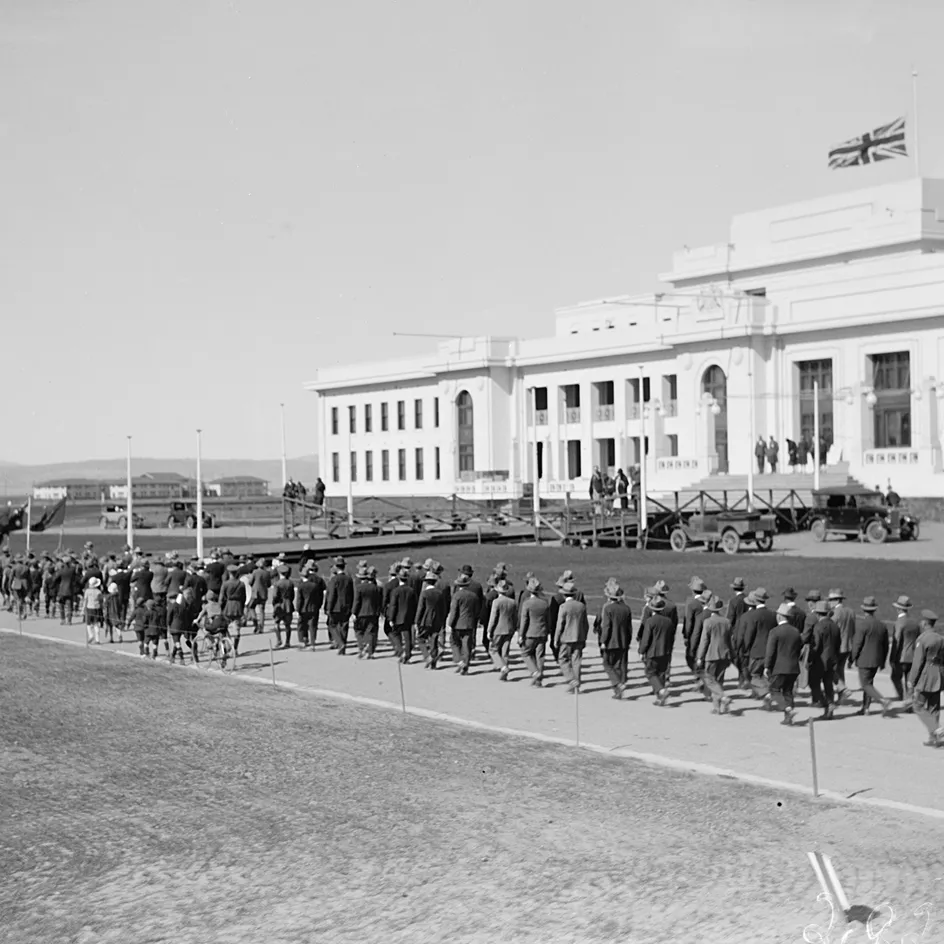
204	200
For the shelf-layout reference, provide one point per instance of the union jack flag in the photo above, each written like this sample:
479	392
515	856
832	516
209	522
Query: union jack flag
882	144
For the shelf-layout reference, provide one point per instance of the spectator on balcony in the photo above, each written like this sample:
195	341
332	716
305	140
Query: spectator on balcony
597	490
803	452
760	452
319	495
773	454
792	455
622	489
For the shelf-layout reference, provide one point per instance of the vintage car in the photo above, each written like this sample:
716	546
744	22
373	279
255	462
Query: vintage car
116	516
858	512
185	513
727	529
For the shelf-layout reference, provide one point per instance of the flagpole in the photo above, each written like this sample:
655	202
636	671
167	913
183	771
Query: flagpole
29	521
199	521
914	118
129	506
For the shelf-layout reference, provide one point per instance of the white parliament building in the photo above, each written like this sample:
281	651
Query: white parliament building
846	292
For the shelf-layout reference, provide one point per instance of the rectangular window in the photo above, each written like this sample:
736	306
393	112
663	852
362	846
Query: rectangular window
891	380
437	462
418	461
401	464
401	414
571	396
671	444
368	466
540	398
436	412
336	466
573	459
384	418
353	466
352	418
808	373
385	464
418	414
368	418
334	421
645	389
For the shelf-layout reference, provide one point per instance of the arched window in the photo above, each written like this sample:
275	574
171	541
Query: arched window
715	383
465	433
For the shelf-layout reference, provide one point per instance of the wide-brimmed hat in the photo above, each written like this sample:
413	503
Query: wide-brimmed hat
761	595
656	604
569	588
784	610
612	589
112	588
361	569
903	603
232	568
821	608
94	582
534	585
750	599
929	615
715	604
789	594
504	588
340	562
430	577
813	596
836	594
737	583
869	604
565	577
501	568
463	580
466	569
660	586
284	570
697	585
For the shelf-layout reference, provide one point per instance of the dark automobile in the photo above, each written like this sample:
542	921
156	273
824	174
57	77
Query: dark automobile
858	512
185	513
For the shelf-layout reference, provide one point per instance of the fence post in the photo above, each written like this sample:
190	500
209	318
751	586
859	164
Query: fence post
272	662
593	518
402	695
622	528
813	758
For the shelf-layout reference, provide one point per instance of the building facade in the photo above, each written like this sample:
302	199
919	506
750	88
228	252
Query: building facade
825	315
238	486
154	485
74	489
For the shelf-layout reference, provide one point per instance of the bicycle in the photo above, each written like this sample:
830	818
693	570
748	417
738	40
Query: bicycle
217	647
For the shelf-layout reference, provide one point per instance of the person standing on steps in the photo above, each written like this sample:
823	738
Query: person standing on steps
760	453
773	455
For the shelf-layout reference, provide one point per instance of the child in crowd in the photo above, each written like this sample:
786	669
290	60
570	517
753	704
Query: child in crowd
92	600
112	614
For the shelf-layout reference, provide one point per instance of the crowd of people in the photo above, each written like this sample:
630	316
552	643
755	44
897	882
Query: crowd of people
293	489
801	455
773	650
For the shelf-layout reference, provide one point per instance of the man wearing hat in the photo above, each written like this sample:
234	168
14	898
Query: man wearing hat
283	606
260	581
502	623
570	635
756	626
782	662
822	641
401	615
196	582
475	587
368	600
695	640
464	612
714	652
233	601
339	600
655	648
844	617
692	608
67	584
737	604
555	602
309	597
797	616
614	626
869	654
389	585
431	613
444	586
904	636
533	628
927	677
20	585
215	572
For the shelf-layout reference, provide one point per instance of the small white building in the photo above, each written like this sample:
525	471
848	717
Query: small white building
844	292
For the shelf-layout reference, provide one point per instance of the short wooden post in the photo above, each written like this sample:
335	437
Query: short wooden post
566	515
622	528
813	759
272	661
593	518
402	695
478	534
577	714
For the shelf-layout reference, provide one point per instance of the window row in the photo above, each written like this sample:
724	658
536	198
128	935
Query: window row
603	398
419	465
384	416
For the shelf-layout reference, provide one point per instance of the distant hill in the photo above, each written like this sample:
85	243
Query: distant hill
19	479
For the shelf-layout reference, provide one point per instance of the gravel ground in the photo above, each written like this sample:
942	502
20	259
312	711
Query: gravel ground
146	805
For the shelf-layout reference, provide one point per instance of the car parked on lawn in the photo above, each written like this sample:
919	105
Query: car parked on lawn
116	516
185	513
857	512
729	530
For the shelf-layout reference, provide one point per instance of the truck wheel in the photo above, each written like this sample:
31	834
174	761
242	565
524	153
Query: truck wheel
103	523
171	523
818	529
678	540
730	541
765	543
122	522
191	522
876	532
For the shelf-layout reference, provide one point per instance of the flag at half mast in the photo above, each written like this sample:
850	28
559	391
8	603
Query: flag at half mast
882	144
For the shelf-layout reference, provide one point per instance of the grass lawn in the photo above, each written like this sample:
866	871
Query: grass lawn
145	804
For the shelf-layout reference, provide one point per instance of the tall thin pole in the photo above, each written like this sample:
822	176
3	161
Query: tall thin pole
816	456
350	481
753	431
914	119
643	474
284	462
199	495
29	519
129	505
536	491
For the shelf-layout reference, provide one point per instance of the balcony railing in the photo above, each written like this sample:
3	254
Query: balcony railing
572	415
540	417
604	413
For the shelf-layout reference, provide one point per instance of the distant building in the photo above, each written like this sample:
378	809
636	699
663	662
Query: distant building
154	485
238	486
76	489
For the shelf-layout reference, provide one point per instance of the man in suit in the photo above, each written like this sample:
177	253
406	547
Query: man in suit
502	623
473	586
655	648
260	580
844	617
869	654
390	584
215	572
822	641
737	604
692	608
927	677
782	662
741	654
695	640
614	627
533	629
556	601
756	627
797	617
905	634
365	610
20	583
570	634
464	612
714	653
339	600
431	613
309	598
401	615
67	583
